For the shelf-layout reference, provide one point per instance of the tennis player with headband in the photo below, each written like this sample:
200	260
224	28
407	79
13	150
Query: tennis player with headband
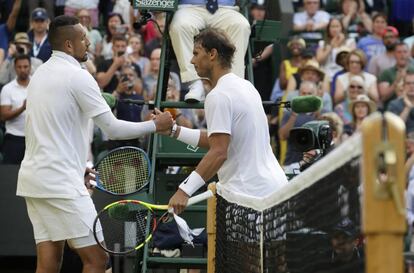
237	130
62	98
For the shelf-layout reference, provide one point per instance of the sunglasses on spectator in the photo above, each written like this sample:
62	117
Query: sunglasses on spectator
356	86
312	3
409	83
355	62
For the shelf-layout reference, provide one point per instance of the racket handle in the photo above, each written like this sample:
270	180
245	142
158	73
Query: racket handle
200	197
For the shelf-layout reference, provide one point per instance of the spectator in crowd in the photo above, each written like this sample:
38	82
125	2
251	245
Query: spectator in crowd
311	72
356	62
385	60
187	22
72	7
337	126
359	108
311	19
150	81
8	28
341	60
354	18
136	53
108	70
115	26
403	106
262	68
38	35
290	66
129	87
20	45
93	35
372	45
391	80
49	6
356	87
12	111
328	48
347	254
293	82
257	12
126	10
292	119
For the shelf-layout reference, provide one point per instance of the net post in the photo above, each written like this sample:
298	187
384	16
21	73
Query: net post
211	230
383	215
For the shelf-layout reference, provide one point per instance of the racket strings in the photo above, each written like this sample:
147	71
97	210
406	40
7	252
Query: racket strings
124	171
125	226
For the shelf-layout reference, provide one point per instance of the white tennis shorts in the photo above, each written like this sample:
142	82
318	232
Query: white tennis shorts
56	219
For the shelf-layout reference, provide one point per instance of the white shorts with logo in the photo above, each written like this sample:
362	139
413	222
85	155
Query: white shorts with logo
55	219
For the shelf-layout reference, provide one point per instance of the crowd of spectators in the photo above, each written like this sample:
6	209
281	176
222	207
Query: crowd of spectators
357	55
352	53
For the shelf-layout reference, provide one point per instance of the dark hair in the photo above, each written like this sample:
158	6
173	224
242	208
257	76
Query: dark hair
399	43
119	37
380	14
210	38
22	57
108	33
360	54
409	73
55	35
328	35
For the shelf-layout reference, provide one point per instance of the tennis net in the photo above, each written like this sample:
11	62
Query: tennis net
310	225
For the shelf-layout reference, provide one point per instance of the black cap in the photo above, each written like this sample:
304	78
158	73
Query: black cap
39	13
347	227
257	6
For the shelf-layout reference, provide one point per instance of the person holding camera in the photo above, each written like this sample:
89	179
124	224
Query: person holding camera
129	88
292	119
21	45
108	70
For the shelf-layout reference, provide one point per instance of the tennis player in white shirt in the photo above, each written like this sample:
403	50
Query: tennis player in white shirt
62	98
237	130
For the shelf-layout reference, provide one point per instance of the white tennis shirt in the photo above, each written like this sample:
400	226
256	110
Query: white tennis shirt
234	107
62	97
13	94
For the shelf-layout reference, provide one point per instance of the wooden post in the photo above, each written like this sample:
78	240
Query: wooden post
211	230
383	215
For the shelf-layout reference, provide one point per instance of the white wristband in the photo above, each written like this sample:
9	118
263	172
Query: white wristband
192	183
189	136
173	130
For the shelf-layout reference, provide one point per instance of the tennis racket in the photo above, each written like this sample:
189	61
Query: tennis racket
125	223
123	171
